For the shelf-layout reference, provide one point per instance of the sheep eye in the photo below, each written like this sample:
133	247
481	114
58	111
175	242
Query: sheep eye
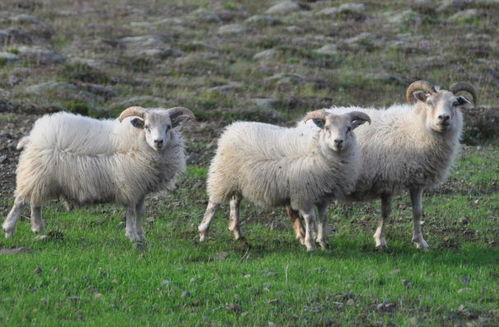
349	129
168	128
455	103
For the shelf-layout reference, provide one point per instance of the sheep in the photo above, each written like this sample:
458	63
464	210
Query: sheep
408	146
85	161
277	166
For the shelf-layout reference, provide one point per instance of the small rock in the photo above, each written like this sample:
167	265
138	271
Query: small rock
8	57
265	103
16	250
463	290
150	220
165	282
284	8
406	17
40	55
328	49
350	302
26	19
262	20
225	88
140	42
38	270
231	29
233	307
206	15
387	306
265	54
465	279
395	272
465	16
333	11
97	295
406	283
463	221
220	256
185	294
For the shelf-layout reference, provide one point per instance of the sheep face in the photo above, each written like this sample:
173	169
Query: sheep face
336	130
442	109
157	127
157	123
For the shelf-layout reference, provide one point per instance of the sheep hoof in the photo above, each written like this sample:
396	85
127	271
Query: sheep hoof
324	245
140	245
380	243
37	229
421	245
202	237
8	234
310	246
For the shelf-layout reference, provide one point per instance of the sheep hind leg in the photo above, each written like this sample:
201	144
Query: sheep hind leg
321	237
207	218
9	225
36	218
309	218
294	216
234	226
417	212
386	209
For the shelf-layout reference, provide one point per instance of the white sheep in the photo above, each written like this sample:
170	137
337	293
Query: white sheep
85	161
407	146
277	166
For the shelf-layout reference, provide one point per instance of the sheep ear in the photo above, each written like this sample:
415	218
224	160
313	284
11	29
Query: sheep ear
358	118
137	122
462	100
319	122
180	114
420	96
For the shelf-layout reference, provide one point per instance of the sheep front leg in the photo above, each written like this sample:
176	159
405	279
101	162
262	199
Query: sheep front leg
417	212
131	224
234	227
9	225
294	216
36	218
309	218
386	209
207	218
321	226
139	209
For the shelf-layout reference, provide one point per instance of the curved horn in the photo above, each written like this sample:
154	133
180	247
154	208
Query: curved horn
465	86
132	111
418	86
179	114
316	114
358	115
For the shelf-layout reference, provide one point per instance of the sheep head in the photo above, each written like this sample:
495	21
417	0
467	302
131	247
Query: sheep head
336	130
157	123
441	107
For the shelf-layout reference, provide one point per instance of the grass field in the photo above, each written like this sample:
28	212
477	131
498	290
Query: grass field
86	272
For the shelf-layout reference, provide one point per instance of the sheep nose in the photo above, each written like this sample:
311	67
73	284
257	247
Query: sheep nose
338	142
158	143
443	118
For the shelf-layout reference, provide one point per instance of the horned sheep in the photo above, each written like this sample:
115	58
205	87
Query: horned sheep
85	161
409	146
277	166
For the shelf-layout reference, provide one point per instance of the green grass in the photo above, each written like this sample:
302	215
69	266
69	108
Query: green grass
88	272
